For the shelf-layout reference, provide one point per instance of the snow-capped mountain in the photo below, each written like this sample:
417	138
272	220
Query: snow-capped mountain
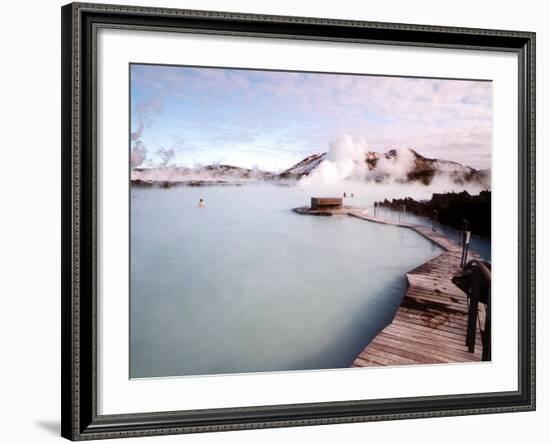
400	165
304	167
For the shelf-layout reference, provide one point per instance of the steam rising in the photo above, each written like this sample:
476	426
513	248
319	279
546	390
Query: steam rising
138	154
347	166
138	133
166	155
145	111
347	160
394	168
216	172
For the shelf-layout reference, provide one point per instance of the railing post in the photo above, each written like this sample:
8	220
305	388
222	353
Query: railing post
465	248
473	308
434	220
486	354
463	228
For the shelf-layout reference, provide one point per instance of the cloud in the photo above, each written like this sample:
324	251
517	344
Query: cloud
450	119
151	106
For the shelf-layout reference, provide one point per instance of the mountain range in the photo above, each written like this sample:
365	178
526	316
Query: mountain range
398	165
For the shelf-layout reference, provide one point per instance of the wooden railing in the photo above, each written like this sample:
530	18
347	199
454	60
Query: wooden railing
479	316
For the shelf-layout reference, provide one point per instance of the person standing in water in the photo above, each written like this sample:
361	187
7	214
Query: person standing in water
202	203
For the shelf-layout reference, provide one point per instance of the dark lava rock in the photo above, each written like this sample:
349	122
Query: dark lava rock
452	209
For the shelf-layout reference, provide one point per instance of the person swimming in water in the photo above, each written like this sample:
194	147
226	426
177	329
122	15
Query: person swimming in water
202	203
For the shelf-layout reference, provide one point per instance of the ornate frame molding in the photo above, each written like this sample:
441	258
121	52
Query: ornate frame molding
80	22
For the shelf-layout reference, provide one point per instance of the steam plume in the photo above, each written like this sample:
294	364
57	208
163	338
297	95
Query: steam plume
166	155
345	160
144	110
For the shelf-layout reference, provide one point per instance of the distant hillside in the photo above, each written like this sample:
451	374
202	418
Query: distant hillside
397	165
204	175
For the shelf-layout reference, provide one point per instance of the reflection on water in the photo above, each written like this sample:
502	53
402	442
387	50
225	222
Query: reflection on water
246	285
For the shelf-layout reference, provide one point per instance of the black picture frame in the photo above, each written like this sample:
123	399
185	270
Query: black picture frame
80	22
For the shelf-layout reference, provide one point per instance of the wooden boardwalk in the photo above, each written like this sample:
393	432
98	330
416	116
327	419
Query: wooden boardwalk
430	325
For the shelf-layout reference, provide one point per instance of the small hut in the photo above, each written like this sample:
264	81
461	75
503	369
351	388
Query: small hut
326	203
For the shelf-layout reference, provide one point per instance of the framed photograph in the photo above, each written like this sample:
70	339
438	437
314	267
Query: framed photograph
281	221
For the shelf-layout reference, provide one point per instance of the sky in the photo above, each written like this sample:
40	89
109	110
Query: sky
271	120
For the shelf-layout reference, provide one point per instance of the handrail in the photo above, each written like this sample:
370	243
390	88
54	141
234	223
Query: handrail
480	291
486	271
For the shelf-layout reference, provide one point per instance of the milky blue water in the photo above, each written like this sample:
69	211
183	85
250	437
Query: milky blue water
246	285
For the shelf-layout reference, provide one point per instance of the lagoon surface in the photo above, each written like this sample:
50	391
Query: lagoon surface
246	285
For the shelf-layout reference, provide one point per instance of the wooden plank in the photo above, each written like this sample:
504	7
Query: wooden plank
456	319
434	325
402	356
409	325
450	302
428	343
448	335
373	351
431	320
428	350
397	348
359	362
378	360
440	297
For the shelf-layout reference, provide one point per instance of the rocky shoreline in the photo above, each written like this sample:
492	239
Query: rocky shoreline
452	209
138	183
